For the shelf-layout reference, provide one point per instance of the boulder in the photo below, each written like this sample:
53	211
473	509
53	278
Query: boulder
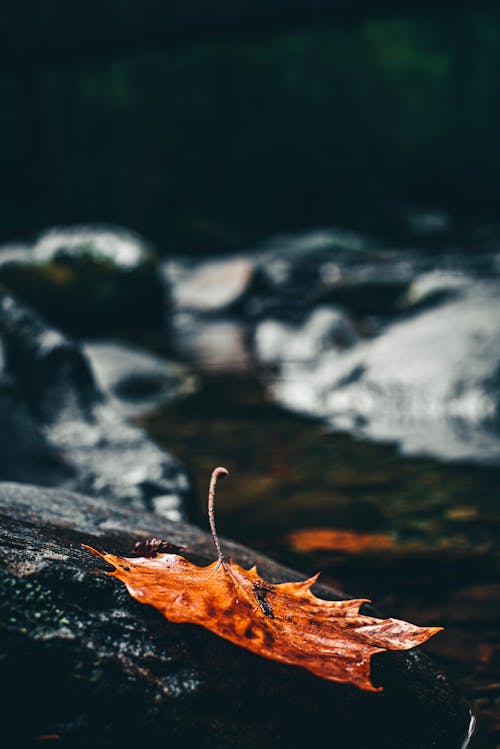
92	280
84	663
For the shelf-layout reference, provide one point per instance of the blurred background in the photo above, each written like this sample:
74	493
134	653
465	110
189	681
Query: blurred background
275	234
219	137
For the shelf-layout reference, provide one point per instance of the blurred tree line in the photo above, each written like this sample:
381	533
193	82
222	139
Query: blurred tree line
213	145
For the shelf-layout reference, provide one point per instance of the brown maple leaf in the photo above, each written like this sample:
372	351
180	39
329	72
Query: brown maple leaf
284	622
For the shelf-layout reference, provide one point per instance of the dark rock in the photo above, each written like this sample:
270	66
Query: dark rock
83	661
137	380
328	267
88	279
61	429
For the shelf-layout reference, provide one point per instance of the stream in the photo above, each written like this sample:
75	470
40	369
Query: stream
351	389
356	409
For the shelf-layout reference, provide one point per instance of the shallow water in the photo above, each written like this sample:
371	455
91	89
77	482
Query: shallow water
427	549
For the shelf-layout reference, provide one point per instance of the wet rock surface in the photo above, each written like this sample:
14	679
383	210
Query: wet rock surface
87	664
88	279
60	428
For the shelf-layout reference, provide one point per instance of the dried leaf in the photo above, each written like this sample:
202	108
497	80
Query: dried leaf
284	622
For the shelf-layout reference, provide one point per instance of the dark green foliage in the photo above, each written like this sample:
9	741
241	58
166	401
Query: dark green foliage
221	143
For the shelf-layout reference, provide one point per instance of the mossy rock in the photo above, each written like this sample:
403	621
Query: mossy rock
89	280
98	669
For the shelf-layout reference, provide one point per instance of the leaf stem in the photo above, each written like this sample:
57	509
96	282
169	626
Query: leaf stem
218	472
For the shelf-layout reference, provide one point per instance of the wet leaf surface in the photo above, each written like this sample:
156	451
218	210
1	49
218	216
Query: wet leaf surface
284	622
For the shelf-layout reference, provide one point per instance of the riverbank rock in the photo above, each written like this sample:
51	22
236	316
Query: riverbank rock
88	666
92	280
60	428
